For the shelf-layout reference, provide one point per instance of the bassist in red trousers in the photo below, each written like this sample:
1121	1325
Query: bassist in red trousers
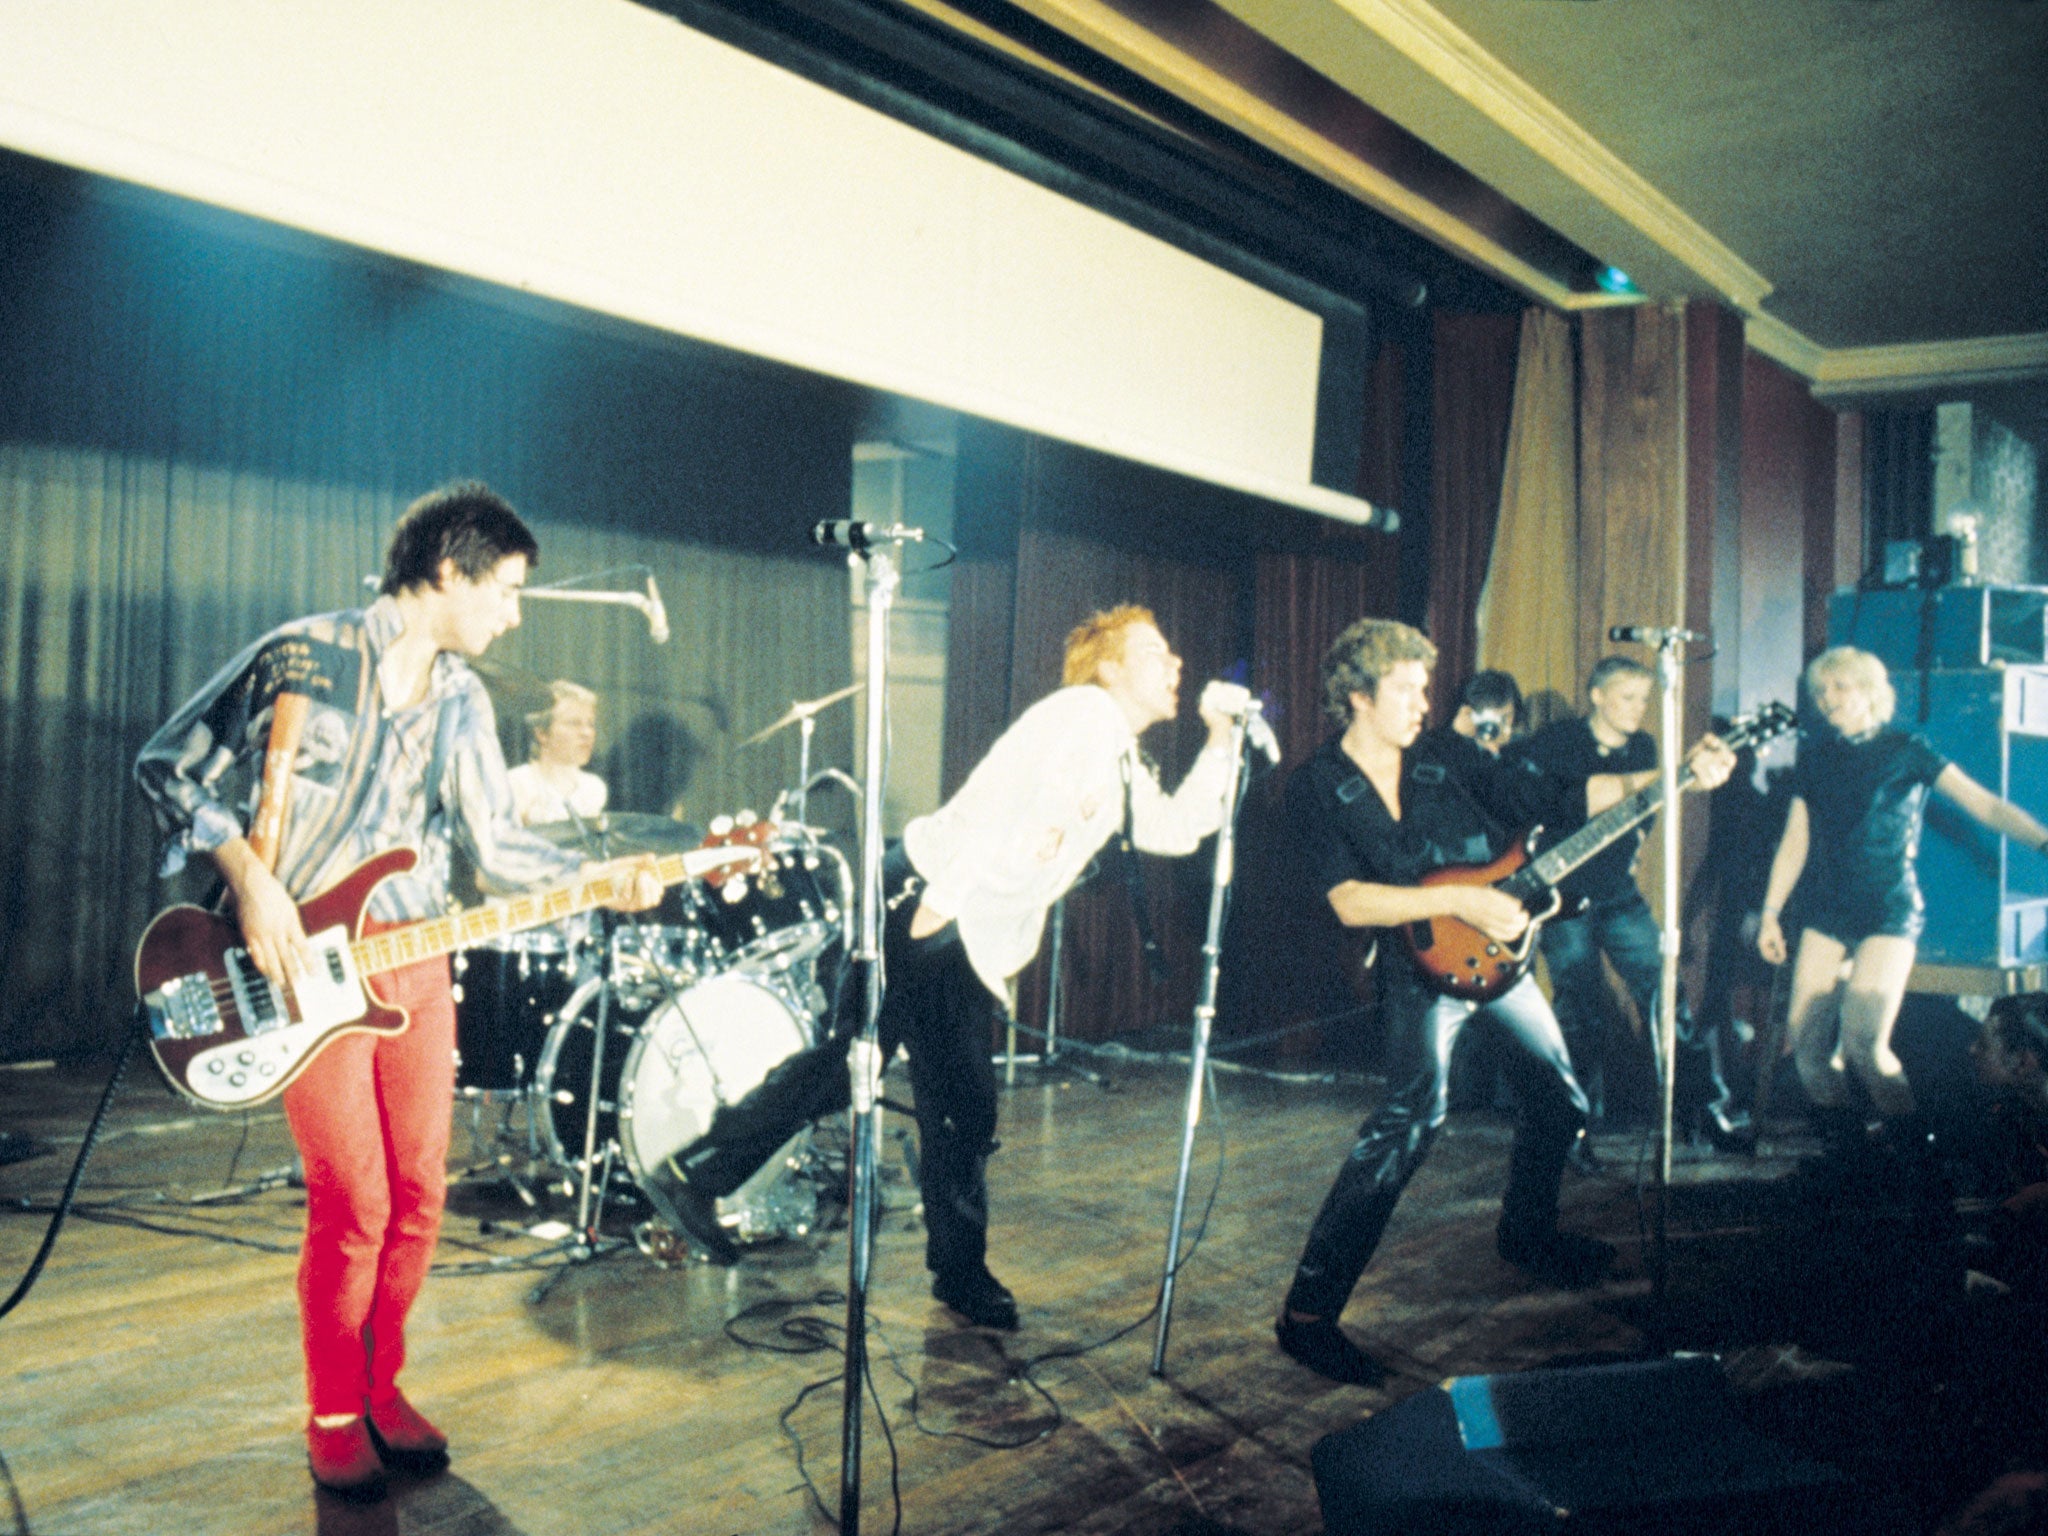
1373	812
328	741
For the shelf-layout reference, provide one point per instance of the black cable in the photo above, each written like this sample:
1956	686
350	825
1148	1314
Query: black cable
14	1504
138	1028
807	1334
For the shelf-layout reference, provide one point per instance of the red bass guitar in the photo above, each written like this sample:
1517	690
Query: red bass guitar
226	1036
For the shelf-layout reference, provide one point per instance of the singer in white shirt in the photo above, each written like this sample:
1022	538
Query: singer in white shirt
968	890
553	784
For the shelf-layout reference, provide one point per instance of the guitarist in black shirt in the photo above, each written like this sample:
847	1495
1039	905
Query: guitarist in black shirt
1601	759
1372	812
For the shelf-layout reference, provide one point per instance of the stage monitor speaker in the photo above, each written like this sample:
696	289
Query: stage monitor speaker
1652	1446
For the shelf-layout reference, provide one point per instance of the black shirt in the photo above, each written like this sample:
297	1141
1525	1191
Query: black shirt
1459	805
1569	753
1865	801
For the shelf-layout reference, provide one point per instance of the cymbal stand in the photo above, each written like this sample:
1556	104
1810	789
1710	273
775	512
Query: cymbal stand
586	1219
805	729
1205	1016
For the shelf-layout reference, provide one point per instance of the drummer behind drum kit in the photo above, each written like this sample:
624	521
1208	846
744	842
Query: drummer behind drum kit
697	1007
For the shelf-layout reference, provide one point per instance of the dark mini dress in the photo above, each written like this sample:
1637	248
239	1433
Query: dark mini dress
1865	803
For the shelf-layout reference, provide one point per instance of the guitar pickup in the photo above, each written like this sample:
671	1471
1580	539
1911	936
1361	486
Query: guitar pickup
258	1002
183	1008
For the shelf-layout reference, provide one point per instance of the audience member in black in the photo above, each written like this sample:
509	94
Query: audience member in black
1859	795
1490	714
1372	811
1603	758
2011	1057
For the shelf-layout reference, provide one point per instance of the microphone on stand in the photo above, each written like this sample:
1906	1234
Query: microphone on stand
657	615
1236	701
846	533
1259	732
1650	634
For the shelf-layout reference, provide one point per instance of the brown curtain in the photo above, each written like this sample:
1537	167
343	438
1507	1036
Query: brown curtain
1528	617
1473	396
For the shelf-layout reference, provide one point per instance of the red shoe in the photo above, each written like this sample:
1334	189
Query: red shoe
404	1438
344	1462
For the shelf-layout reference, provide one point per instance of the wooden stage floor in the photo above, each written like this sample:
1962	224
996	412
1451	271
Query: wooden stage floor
151	1383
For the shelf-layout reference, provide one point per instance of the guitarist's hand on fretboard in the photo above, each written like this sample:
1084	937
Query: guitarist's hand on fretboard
639	879
1712	760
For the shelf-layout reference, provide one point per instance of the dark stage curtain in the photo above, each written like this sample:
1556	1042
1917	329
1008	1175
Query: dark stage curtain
207	426
1473	400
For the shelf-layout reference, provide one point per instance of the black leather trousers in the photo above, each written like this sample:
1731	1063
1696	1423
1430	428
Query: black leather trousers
1392	1144
938	1008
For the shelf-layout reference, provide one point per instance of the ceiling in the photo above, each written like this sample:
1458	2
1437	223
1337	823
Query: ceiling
1866	181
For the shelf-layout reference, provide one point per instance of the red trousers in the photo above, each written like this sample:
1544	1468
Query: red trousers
371	1117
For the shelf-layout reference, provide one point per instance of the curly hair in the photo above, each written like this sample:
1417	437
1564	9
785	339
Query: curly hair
1362	655
1099	638
1859	669
466	522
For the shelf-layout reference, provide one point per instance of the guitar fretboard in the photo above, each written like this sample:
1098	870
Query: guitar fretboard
435	936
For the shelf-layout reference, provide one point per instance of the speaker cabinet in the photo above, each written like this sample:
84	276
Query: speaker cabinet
1654	1446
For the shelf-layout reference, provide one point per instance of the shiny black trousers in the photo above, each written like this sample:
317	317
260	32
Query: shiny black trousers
1391	1145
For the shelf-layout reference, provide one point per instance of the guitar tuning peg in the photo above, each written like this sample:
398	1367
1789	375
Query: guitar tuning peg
721	826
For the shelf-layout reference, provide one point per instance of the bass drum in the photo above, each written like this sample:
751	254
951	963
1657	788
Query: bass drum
669	1063
707	1047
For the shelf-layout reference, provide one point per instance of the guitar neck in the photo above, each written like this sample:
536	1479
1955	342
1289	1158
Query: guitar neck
432	937
1552	866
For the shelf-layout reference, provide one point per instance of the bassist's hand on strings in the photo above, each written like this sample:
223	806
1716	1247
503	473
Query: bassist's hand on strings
265	911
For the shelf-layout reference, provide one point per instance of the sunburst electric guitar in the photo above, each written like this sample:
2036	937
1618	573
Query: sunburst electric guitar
1460	961
226	1036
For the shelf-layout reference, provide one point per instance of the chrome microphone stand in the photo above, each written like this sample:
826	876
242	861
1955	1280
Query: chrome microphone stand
1670	645
1205	1016
877	547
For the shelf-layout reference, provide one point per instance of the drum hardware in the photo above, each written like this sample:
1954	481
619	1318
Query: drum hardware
803	714
620	1044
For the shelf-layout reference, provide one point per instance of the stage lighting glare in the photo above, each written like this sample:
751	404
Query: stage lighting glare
1614	280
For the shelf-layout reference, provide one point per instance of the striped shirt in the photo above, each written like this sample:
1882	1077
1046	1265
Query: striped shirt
359	778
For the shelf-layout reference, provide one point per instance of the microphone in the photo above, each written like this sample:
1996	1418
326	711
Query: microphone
1650	634
657	615
1237	701
1259	732
845	533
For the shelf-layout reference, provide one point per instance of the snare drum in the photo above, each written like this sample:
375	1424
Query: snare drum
668	1067
785	913
506	999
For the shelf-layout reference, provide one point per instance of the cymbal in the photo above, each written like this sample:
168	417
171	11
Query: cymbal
514	691
614	834
801	710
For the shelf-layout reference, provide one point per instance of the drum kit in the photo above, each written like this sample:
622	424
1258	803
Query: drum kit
615	1039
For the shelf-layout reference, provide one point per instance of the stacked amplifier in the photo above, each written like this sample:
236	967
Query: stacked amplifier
1970	664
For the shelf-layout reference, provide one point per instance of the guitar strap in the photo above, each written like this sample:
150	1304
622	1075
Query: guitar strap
287	727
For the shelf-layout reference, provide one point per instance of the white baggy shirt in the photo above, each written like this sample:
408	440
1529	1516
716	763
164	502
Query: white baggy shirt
1036	809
